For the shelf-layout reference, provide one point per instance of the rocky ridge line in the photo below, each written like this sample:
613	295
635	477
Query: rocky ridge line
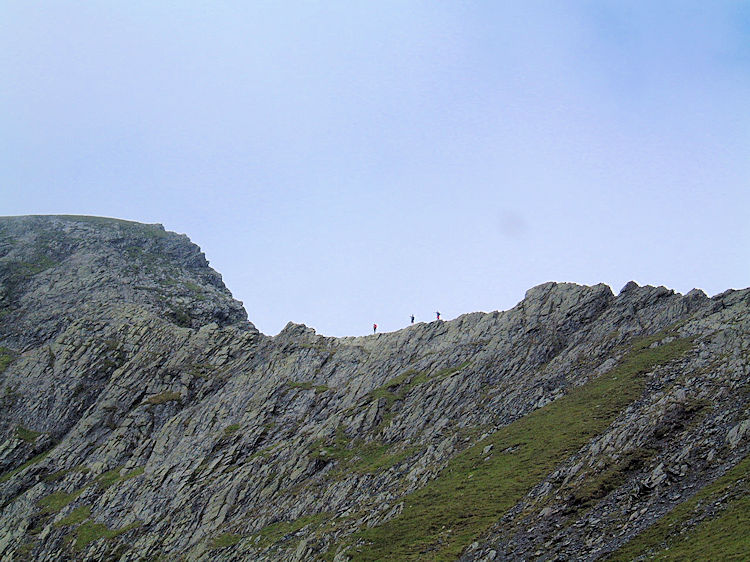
133	431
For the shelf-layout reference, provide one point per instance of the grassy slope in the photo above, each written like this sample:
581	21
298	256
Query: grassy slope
724	537
475	489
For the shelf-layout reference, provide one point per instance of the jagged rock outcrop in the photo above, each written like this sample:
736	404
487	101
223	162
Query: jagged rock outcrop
145	417
57	269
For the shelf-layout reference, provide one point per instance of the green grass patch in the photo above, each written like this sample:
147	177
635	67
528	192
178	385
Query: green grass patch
375	457
38	264
164	397
88	532
338	449
91	531
55	501
445	373
24	551
357	455
276	532
107	479
111	477
476	489
10	474
197	290
231	429
27	435
137	471
78	515
225	540
304	385
308	385
263	453
398	387
383	392
55	476
202	370
5	358
725	536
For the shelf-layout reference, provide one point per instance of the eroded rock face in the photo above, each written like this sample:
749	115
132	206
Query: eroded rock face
144	416
56	269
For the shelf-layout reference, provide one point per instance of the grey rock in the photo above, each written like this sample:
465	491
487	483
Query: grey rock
136	389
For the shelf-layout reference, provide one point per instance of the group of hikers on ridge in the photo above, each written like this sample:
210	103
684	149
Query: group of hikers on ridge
375	326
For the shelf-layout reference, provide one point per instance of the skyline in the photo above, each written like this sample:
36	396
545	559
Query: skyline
347	164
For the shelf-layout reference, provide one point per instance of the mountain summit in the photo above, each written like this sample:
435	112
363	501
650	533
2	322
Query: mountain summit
145	418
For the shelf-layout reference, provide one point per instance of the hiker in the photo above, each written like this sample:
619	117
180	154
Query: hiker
374	328
438	315
412	319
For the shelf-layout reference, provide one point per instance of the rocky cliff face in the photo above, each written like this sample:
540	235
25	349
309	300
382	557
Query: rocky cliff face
144	417
55	269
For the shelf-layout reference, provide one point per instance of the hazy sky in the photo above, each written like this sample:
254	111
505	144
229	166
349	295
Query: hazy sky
344	163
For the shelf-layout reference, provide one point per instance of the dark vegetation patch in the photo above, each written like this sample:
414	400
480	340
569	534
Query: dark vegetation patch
202	370
180	317
35	265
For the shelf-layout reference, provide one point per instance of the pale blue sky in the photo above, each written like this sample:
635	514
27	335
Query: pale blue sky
344	163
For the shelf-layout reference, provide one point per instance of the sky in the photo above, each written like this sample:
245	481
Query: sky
349	163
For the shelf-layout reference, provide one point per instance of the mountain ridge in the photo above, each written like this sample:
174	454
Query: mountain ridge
135	431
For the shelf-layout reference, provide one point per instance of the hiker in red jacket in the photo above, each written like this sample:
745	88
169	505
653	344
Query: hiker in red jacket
374	328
